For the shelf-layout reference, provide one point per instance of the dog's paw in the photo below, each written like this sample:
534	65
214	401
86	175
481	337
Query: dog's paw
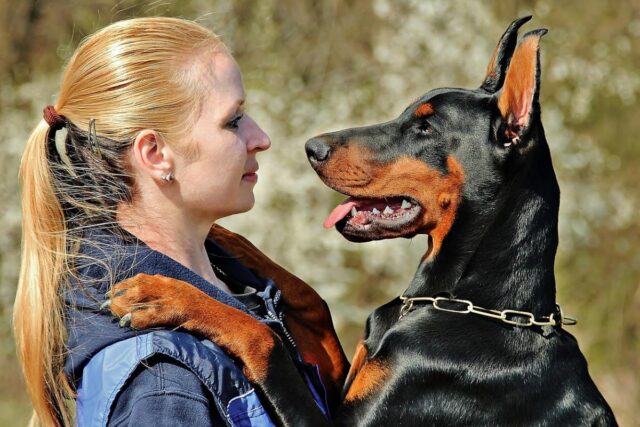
146	301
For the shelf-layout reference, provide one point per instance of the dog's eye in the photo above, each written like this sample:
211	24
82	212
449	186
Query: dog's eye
425	129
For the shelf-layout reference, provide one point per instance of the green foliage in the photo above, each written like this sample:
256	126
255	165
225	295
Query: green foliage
311	67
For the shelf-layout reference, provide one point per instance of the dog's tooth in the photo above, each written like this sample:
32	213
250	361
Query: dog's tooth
375	211
354	211
387	211
405	204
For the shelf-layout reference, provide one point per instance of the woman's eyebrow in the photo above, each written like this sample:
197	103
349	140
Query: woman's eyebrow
238	105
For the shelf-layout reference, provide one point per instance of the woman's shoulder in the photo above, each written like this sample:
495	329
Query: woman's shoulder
161	371
165	374
218	373
163	391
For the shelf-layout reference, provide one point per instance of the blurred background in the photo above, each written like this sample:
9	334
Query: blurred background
311	67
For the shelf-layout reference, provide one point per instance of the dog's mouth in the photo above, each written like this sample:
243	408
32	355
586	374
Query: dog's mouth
364	219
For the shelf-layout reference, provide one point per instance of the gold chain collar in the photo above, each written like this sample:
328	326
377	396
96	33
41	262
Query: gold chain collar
510	317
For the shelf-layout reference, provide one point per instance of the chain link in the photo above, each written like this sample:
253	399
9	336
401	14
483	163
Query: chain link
511	317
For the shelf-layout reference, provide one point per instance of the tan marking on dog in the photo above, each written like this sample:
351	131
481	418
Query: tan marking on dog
369	379
424	110
359	358
444	200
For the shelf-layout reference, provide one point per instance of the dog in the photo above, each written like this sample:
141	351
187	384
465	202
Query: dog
477	338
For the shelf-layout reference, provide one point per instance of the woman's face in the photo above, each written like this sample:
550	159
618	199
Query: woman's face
218	181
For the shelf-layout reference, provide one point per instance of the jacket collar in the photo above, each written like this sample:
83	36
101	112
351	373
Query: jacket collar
106	258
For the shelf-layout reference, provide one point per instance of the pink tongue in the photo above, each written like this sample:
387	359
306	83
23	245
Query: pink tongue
338	213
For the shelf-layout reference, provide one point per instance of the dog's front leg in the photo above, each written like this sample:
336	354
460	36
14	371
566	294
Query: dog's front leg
146	301
307	315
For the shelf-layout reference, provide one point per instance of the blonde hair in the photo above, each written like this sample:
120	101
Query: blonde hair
132	75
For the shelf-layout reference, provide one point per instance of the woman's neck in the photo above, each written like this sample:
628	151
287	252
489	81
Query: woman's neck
173	233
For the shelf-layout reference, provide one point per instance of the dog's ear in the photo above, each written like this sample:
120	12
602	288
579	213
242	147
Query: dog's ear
502	55
518	98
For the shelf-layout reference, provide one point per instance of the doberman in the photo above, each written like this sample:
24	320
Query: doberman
477	337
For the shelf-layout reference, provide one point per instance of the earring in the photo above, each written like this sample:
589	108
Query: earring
168	177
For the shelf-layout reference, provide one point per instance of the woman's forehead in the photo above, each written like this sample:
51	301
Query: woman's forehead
222	80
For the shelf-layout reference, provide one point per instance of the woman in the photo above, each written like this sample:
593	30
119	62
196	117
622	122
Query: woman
158	148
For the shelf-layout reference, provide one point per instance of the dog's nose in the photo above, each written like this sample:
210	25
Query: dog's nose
317	150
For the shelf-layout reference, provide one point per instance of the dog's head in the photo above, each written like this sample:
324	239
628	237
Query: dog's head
410	175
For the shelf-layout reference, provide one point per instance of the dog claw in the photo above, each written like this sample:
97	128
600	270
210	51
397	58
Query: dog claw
105	306
125	320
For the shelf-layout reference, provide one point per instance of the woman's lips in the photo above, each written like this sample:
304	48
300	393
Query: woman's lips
250	177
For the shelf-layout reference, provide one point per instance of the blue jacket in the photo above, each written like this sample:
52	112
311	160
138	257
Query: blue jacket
158	377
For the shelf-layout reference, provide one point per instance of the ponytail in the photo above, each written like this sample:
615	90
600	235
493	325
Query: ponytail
38	314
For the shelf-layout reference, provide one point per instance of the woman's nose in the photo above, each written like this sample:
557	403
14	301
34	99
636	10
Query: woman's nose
258	139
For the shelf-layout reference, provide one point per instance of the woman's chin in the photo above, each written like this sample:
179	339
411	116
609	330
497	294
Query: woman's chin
244	205
241	204
249	201
248	206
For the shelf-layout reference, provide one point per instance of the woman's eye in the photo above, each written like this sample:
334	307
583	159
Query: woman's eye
425	129
235	122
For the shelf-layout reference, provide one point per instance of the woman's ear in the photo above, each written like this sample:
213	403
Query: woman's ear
152	156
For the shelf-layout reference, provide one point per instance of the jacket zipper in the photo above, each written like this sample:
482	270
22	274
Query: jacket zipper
273	315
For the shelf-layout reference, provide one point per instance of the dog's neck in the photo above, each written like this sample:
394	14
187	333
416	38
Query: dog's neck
502	257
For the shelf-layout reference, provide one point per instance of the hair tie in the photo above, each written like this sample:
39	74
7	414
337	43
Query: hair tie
53	119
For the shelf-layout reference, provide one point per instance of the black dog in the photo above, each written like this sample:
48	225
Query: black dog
477	337
472	169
